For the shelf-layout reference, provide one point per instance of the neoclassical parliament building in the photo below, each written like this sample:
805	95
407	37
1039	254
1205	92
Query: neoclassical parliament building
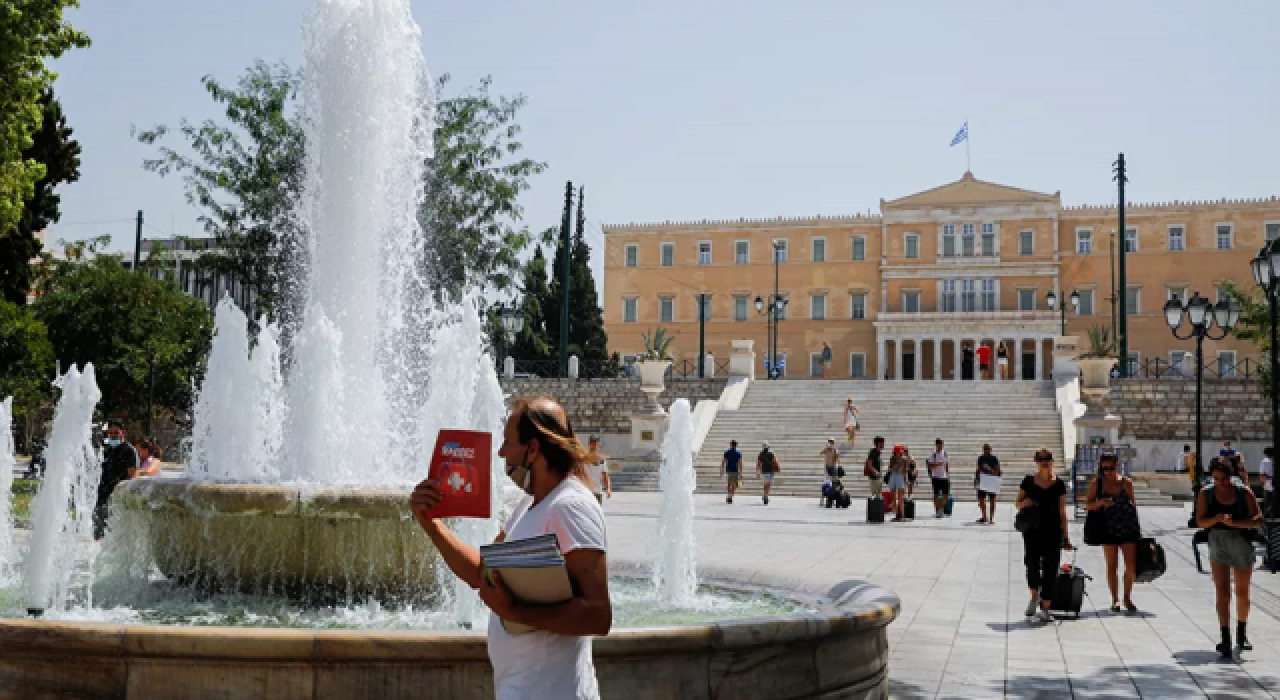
908	293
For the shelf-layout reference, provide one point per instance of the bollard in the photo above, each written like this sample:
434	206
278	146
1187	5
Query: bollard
573	366
509	367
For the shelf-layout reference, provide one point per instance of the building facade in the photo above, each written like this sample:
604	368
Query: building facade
911	293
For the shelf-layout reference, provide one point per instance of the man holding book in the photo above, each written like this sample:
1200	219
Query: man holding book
538	649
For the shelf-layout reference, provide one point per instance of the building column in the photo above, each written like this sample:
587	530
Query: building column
937	359
955	353
882	358
1015	370
917	367
1039	362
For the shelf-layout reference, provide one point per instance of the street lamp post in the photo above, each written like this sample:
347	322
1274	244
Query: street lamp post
1266	273
777	306
1202	316
1052	300
512	324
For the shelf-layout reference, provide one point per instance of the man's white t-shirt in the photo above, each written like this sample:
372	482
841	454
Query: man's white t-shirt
1269	469
939	461
1184	462
541	664
597	472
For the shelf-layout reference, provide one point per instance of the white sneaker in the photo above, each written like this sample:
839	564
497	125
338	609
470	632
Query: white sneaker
1044	615
1032	607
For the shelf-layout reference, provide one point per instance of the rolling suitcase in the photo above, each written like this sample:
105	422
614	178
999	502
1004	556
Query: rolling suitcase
1271	533
1151	563
1068	590
875	510
909	509
951	502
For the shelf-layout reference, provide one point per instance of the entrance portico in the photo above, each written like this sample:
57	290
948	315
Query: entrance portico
937	346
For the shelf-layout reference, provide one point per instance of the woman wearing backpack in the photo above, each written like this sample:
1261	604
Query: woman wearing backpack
1230	513
1111	499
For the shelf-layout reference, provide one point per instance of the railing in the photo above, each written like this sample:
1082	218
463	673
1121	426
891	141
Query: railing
1161	368
550	369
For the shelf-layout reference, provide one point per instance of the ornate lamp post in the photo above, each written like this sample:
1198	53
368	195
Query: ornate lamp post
1202	317
512	324
1266	272
1052	300
777	307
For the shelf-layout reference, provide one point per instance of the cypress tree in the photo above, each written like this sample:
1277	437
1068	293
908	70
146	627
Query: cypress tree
530	344
587	337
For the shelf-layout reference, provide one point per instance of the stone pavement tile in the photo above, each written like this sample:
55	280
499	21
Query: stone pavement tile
954	689
912	689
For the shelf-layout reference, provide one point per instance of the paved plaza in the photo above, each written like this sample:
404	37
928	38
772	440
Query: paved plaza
961	633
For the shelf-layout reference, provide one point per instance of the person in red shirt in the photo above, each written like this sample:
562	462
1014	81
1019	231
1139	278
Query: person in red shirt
984	360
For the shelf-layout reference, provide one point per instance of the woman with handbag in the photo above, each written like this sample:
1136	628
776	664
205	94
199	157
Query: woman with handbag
1113	524
1230	513
1042	520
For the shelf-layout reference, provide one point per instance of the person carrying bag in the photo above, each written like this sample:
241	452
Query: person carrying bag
1112	523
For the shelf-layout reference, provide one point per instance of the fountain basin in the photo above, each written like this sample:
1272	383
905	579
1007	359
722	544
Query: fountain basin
326	543
841	651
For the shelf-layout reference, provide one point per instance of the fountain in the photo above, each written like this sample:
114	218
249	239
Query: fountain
674	574
292	516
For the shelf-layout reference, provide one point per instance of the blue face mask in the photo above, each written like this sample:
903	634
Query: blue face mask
113	441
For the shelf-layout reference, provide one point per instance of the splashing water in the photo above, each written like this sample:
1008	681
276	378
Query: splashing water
62	511
675	575
7	554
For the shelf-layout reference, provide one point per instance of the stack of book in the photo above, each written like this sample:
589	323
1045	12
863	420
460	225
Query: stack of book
532	569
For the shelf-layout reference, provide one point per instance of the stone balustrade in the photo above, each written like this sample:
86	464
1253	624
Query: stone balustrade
606	405
1165	409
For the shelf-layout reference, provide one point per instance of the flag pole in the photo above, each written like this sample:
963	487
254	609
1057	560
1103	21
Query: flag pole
968	165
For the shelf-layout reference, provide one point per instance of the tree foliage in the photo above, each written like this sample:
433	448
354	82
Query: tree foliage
26	364
531	343
31	31
59	153
245	176
122	322
1254	325
472	206
587	337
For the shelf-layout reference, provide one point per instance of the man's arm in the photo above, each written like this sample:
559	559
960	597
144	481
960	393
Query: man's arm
463	559
723	460
588	613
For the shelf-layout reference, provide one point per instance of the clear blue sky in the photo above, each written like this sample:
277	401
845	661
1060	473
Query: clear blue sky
690	110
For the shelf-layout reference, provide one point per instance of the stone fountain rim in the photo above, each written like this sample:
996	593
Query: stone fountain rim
229	499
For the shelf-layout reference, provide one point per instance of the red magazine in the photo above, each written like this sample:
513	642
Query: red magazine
461	461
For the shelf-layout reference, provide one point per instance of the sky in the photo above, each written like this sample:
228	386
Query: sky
687	110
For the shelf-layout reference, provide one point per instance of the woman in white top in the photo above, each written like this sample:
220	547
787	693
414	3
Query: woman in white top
597	466
546	461
850	420
148	458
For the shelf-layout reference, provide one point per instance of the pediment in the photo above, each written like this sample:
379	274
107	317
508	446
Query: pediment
969	191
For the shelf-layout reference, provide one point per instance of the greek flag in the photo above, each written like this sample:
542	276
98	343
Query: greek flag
961	135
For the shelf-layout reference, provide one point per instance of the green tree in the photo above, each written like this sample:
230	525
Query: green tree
26	366
31	31
245	176
587	337
530	344
59	153
474	180
1255	325
122	322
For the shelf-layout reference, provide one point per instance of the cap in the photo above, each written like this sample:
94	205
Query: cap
897	449
765	445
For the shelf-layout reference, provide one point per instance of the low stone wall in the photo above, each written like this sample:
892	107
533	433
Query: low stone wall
606	405
1165	409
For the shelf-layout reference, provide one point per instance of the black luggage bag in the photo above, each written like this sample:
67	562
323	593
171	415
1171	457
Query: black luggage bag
1271	533
1151	563
909	509
875	509
1068	591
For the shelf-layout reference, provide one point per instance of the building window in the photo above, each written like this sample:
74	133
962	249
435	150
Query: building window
741	252
1026	300
1135	363
1219	293
966	240
668	254
1132	296
859	247
740	308
1177	238
948	295
667	309
780	250
782	313
818	306
1086	302
819	253
857	365
1084	241
632	255
988	295
629	310
1026	242
988	239
968	295
858	306
1272	230
1226	363
704	307
1175	362
1131	240
704	252
1179	292
1224	236
912	245
911	302
949	240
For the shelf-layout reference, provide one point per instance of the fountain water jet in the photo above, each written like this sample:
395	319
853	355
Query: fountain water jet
7	554
674	572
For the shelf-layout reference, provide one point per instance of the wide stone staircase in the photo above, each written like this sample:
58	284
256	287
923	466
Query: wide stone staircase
796	418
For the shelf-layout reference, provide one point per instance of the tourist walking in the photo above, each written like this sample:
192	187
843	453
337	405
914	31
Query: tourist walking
940	478
830	465
873	469
988	465
897	482
1227	450
148	458
850	420
119	463
766	467
1110	499
597	466
825	361
984	361
731	469
913	472
1267	474
1002	360
546	461
1042	515
1231	515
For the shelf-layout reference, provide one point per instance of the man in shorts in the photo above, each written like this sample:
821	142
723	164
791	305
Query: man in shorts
873	469
731	466
766	467
940	476
988	464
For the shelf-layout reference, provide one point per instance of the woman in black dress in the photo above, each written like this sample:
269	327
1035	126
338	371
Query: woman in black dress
1043	542
1112	496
